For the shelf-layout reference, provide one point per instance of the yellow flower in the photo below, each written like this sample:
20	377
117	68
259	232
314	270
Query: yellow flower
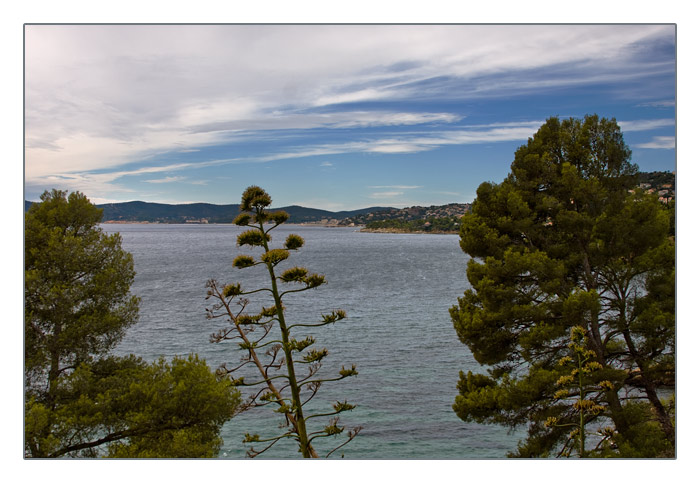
607	385
551	421
565	380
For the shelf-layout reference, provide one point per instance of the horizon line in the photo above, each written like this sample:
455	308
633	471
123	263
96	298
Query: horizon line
276	208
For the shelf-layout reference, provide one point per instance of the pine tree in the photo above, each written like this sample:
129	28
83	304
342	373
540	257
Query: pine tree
561	243
79	399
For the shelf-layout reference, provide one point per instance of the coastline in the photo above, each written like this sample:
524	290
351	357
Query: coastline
407	232
358	228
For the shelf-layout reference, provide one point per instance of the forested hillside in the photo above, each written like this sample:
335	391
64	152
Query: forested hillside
443	218
143	212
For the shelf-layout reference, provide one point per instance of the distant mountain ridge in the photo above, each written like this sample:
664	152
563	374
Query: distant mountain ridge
146	212
142	211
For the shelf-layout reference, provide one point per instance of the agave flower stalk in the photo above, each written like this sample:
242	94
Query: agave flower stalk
278	361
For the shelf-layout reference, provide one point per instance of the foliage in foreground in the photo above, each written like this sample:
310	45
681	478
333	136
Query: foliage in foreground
127	408
79	400
287	367
561	244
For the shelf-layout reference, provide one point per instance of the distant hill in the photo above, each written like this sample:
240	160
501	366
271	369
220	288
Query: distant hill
141	211
416	219
410	214
658	180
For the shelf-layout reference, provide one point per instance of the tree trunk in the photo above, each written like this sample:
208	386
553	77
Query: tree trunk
650	389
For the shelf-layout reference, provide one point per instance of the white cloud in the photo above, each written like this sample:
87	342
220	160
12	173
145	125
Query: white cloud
664	103
107	97
94	187
128	82
409	143
167	179
268	121
393	146
87	179
357	96
659	142
83	152
386	194
413	143
645	124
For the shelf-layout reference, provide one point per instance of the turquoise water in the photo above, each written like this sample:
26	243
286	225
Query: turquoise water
396	289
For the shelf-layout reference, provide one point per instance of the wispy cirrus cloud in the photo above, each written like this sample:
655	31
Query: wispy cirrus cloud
411	142
108	181
659	142
167	179
108	106
663	103
271	121
148	86
645	124
395	191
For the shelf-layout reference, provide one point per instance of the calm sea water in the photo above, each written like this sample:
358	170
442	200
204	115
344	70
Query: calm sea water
396	290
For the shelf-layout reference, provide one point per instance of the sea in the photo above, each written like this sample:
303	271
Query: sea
396	290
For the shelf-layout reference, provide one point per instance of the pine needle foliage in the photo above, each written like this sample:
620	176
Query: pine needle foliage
81	401
287	368
564	242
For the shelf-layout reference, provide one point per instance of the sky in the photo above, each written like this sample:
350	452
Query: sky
336	117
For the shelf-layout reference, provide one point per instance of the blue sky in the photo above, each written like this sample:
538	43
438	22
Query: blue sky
327	116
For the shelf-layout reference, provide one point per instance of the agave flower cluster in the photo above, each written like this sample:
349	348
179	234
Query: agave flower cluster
287	367
581	388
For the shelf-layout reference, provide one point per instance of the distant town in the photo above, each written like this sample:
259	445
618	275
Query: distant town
661	183
430	219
